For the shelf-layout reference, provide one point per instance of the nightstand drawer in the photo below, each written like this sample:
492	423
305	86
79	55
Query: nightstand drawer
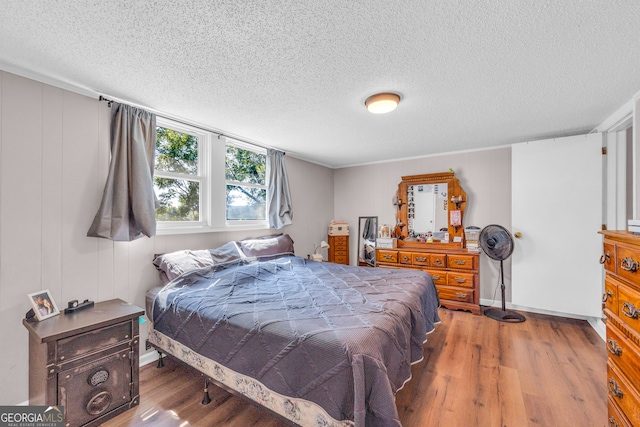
92	341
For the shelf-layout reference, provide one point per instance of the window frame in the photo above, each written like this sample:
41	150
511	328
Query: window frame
212	149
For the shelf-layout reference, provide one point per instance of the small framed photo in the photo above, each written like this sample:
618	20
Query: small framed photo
43	304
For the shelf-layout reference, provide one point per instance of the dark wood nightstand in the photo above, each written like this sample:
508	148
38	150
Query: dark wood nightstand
86	361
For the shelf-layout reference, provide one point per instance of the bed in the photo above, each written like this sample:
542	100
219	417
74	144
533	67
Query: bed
318	343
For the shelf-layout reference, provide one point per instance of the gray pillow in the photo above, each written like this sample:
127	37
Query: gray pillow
174	264
267	246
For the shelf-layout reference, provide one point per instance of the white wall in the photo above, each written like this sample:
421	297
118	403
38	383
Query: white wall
54	155
484	175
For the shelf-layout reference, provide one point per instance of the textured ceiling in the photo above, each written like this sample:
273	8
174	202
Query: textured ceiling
294	74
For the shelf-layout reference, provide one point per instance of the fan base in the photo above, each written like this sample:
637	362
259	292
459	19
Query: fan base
504	316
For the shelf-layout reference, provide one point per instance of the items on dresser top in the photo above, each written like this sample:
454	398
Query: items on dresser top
86	361
621	301
338	228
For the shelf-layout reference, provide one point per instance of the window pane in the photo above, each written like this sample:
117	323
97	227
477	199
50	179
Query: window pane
176	151
245	166
246	203
179	199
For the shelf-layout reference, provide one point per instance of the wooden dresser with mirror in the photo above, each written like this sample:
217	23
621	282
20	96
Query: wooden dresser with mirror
430	208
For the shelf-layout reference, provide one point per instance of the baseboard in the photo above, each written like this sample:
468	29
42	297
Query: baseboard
599	327
595	322
148	357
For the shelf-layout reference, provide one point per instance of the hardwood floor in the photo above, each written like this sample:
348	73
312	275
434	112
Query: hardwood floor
547	371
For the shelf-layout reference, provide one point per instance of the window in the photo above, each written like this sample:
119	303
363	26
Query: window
205	182
246	190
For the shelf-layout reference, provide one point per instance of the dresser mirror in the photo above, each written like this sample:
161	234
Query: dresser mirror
430	210
367	233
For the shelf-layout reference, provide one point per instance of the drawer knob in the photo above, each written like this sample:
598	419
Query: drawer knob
613	422
614	389
438	261
460	261
459	279
606	296
405	258
630	310
461	295
420	259
435	277
605	257
387	256
629	264
613	347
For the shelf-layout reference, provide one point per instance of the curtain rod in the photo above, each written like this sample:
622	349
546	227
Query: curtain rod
111	101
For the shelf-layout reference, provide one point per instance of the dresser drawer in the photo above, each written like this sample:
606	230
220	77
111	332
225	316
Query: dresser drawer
421	259
439	277
608	259
623	353
615	418
628	263
464	262
438	260
629	306
81	344
453	294
340	252
340	259
404	257
623	394
339	239
387	256
460	279
610	297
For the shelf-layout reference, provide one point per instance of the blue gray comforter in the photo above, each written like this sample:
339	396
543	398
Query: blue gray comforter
342	337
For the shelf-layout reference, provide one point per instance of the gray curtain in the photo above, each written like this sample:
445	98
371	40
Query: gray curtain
279	203
128	207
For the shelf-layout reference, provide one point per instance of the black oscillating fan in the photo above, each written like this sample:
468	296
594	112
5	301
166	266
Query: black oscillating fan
496	242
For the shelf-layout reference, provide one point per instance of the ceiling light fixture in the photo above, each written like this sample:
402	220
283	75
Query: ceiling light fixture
381	103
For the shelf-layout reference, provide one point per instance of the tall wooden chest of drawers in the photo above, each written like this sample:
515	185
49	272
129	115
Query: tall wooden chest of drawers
621	301
87	362
339	249
455	272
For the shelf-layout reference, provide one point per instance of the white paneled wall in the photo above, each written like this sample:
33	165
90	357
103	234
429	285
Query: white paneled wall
484	175
54	157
